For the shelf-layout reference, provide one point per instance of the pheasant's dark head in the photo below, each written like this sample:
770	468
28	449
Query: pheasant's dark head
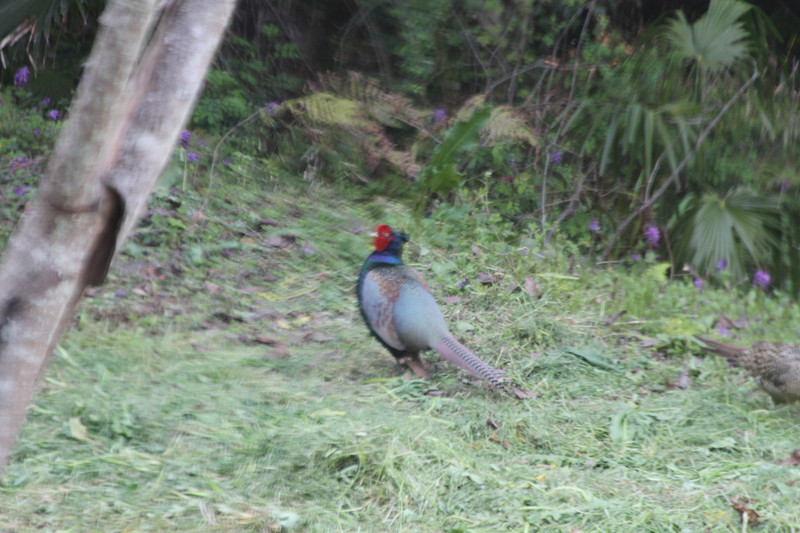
388	243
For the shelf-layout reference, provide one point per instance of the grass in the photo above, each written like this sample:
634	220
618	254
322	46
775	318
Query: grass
223	381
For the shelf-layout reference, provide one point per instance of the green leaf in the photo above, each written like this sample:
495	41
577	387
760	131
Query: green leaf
441	175
77	430
725	443
445	179
462	327
592	357
649	119
618	428
633	119
666	141
463	136
658	272
608	145
286	519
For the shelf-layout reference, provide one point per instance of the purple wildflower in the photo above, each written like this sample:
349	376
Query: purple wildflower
722	331
46	101
594	226
556	157
463	283
721	264
698	283
652	236
21	77
37	132
201	142
22	191
17	163
226	253
439	115
192	157
120	293
761	279
186	136
226	162
53	114
636	257
272	107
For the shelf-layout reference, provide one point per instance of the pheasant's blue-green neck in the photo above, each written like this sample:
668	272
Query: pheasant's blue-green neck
387	257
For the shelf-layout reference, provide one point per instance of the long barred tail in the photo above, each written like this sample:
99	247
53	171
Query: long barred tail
456	353
728	351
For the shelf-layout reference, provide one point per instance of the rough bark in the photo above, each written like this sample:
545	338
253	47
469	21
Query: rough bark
137	91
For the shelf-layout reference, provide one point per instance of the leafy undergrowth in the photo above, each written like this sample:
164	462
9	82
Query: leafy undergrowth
222	380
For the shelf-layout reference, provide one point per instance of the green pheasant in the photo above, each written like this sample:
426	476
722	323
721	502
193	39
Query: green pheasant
401	313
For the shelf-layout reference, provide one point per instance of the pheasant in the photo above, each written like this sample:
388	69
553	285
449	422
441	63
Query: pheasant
775	367
400	311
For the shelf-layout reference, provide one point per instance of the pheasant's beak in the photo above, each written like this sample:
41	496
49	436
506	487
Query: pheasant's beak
373	234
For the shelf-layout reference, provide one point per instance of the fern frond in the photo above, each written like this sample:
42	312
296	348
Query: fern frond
508	124
470	107
327	109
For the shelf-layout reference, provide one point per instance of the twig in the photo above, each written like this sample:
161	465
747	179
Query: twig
216	153
571	208
589	13
539	63
676	171
286	31
474	50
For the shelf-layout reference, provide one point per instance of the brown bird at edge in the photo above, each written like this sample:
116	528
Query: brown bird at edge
775	367
400	311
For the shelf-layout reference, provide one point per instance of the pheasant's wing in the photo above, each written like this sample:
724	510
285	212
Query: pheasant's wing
416	276
790	353
378	296
777	369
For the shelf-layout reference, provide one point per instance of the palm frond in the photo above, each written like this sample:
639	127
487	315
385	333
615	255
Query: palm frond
716	40
30	22
738	227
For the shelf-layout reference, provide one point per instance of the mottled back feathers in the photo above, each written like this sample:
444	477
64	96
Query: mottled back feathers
775	367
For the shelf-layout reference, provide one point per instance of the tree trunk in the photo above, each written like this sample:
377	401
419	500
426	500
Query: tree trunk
137	91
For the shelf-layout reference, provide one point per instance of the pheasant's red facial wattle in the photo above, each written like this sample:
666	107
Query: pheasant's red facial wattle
383	237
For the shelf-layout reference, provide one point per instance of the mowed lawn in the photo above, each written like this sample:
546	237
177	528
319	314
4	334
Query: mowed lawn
222	380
